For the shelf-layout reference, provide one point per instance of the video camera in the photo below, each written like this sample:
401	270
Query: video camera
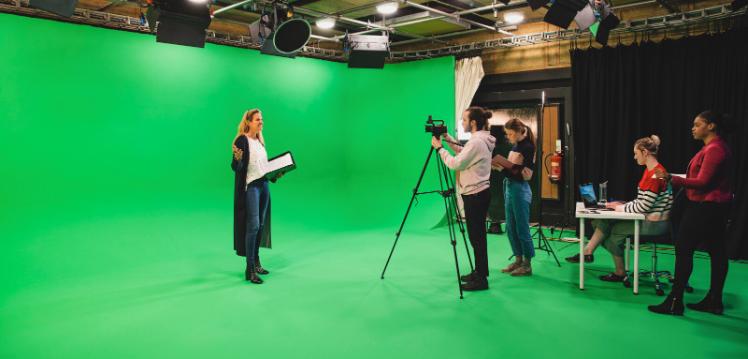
436	127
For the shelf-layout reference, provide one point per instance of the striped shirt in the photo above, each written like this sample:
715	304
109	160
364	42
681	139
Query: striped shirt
654	199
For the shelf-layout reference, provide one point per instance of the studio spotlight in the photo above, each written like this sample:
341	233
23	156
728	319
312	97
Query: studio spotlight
596	15
367	51
280	35
179	22
562	12
64	8
600	19
585	18
387	8
605	26
289	38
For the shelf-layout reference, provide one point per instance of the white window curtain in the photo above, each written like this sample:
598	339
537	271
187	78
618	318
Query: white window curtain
468	74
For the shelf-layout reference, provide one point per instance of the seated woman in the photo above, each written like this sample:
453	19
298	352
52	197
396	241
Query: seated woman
654	199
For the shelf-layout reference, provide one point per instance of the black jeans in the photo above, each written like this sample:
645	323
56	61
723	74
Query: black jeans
701	222
476	209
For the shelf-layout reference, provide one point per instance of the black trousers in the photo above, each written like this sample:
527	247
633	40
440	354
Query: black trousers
476	209
701	222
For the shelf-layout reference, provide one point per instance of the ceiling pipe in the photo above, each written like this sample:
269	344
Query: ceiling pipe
232	6
323	38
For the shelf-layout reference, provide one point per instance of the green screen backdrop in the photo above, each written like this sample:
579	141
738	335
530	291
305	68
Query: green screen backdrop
98	119
116	151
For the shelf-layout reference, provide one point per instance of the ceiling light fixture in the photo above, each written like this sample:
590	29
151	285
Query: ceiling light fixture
513	18
387	8
326	23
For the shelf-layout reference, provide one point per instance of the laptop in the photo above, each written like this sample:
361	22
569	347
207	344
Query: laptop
587	192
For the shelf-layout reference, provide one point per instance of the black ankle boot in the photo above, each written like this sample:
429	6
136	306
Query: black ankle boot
710	304
478	283
251	275
468	277
259	269
672	305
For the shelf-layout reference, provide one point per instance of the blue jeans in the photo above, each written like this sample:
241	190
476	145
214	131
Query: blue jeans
517	198
258	198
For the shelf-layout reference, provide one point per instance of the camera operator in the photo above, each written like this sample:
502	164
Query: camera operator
473	164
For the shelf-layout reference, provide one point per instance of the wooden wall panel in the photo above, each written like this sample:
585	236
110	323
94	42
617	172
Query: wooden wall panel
550	135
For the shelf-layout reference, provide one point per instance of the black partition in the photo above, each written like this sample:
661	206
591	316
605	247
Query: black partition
526	89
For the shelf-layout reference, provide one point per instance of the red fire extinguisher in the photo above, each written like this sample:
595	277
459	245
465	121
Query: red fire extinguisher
557	158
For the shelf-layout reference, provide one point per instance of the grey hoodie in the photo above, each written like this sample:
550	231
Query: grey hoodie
473	161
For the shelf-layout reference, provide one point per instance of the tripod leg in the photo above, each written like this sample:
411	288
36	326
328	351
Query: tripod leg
453	241
450	221
550	250
453	202
410	205
544	245
454	253
462	232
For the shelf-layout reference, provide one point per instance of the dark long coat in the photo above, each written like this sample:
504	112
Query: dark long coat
240	201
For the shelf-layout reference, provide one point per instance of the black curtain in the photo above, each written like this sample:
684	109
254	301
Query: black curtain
628	92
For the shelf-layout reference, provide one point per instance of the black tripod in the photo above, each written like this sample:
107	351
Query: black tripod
447	192
543	244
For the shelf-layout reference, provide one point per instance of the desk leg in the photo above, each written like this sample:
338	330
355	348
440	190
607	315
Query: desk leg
636	257
581	253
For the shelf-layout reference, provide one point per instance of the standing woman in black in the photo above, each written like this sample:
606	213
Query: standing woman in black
251	194
705	213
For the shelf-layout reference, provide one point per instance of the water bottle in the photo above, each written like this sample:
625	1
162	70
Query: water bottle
604	193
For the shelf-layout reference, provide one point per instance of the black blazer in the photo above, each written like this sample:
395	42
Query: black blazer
240	201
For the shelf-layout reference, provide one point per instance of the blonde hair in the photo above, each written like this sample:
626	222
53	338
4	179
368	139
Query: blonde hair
243	128
651	144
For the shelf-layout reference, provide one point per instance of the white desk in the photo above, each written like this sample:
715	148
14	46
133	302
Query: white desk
583	213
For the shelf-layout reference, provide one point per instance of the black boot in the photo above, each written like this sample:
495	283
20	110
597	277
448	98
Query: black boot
478	283
258	267
672	305
251	275
710	304
468	277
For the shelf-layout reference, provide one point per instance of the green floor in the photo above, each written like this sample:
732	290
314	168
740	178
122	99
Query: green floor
135	279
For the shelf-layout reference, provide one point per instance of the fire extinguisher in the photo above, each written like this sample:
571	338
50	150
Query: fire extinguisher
557	158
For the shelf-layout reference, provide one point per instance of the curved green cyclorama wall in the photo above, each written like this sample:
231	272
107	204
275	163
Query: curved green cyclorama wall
94	118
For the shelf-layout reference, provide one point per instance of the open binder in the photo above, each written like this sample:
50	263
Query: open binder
501	161
279	165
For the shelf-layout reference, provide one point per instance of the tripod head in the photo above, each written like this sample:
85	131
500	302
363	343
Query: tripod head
436	127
